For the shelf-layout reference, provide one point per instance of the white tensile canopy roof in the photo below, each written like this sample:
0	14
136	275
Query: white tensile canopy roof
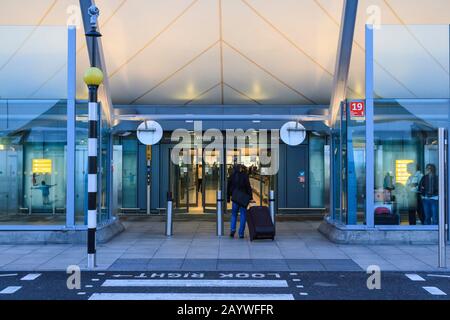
227	51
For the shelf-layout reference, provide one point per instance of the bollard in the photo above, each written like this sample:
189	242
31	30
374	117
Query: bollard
272	205
219	222
169	218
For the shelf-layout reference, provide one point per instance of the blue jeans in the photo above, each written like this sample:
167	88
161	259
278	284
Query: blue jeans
234	211
430	210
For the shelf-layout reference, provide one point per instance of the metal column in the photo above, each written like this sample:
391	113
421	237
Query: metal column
219	218
272	205
370	179
442	198
71	134
169	218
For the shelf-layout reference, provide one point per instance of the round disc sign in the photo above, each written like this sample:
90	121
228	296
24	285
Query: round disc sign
149	132
293	133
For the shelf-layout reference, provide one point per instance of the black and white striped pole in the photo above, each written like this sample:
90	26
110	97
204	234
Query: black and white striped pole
93	77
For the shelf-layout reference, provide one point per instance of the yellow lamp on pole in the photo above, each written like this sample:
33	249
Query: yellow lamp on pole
93	76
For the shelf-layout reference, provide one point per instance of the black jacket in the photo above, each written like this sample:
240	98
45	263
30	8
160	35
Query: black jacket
239	180
429	185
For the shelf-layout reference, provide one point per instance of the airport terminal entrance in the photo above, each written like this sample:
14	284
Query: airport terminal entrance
299	182
194	184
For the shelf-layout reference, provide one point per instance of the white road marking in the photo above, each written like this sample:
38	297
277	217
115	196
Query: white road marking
303	293
101	273
89	286
296	280
10	290
81	293
196	283
31	276
142	275
414	277
299	286
293	273
435	291
122	276
438	275
8	275
95	280
189	296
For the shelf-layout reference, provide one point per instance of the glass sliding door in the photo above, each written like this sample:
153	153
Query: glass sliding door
211	180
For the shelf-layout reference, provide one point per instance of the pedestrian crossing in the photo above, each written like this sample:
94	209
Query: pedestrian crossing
192	289
197	283
189	296
435	291
9	290
213	285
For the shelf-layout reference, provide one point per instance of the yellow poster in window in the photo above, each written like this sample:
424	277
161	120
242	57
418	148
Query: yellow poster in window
149	152
401	171
42	166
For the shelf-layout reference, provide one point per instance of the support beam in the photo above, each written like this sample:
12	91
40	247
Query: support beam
370	166
344	53
104	95
221	117
71	132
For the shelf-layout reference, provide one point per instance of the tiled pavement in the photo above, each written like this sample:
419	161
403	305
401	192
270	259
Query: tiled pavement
194	246
235	265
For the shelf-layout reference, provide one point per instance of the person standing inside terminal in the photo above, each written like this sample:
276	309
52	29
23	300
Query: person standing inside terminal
240	193
200	178
414	196
429	188
45	188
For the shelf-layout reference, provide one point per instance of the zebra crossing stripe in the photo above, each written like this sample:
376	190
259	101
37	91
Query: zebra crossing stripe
435	291
414	277
196	283
10	290
31	276
189	296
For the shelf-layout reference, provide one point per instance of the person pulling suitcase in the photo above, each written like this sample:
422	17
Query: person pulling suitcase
239	191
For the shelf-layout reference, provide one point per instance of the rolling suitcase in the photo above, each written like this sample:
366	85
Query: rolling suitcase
259	223
384	216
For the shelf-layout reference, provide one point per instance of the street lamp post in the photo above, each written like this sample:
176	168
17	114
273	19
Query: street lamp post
93	77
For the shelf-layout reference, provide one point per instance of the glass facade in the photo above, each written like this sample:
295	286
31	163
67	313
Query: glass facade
129	172
33	155
81	163
34	131
405	150
316	170
406	160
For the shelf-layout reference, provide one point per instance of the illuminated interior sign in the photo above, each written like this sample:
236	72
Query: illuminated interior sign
42	166
401	171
